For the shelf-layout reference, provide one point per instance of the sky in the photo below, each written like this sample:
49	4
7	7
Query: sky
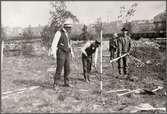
22	14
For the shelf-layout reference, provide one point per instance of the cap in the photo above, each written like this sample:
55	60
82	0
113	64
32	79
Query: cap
124	29
98	42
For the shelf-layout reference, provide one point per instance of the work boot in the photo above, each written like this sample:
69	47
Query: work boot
126	76
88	78
55	86
87	81
126	72
84	77
118	76
56	79
130	78
119	71
55	83
68	85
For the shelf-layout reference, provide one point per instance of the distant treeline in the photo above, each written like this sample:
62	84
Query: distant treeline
10	38
135	36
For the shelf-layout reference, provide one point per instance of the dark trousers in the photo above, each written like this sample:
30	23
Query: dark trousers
63	60
87	64
123	64
112	54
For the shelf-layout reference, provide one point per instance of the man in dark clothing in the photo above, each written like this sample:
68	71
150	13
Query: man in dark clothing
113	46
124	46
89	48
85	35
61	49
87	52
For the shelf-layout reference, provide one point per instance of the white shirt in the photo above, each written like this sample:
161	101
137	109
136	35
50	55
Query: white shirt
55	43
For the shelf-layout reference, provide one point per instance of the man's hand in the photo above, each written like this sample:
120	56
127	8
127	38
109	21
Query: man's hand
49	52
52	53
72	53
85	53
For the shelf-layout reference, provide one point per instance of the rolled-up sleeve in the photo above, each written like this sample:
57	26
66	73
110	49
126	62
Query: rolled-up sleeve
96	56
85	46
55	42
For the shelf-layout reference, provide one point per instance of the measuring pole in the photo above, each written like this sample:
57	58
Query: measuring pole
2	46
101	65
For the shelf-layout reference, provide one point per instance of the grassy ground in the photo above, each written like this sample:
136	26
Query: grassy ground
19	72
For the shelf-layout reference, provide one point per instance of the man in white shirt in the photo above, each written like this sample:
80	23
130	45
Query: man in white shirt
61	50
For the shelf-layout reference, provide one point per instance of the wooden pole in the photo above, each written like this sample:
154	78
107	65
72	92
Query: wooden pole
101	65
2	46
101	61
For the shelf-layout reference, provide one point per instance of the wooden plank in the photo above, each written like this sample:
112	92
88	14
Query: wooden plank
119	57
137	90
19	90
147	109
159	88
83	90
118	90
10	92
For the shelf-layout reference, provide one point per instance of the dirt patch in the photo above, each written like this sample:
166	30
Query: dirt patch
20	72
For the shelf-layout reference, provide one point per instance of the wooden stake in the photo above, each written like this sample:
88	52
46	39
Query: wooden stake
101	61
2	46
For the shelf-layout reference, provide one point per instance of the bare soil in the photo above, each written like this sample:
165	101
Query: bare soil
20	71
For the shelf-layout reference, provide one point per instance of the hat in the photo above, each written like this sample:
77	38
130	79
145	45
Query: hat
98	42
124	29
